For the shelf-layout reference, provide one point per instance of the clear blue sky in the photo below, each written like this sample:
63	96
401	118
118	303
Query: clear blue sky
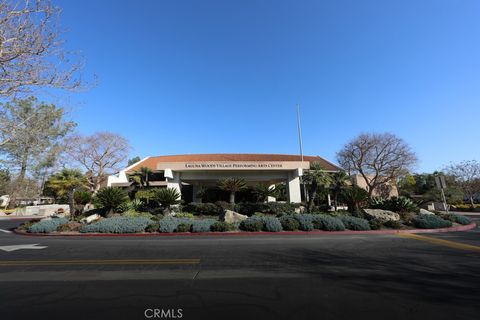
222	76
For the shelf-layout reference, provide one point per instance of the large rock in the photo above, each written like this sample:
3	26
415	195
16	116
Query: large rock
231	216
423	211
91	218
382	215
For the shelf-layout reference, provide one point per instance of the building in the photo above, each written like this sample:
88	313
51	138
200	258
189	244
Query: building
194	171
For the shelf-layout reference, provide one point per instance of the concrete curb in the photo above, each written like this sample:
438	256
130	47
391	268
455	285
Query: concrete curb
470	226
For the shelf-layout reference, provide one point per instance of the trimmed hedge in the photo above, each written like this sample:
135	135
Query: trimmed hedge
430	221
289	223
170	224
204	209
184	227
271	224
202	225
327	223
221	226
118	225
354	223
46	226
275	208
305	221
253	224
457	218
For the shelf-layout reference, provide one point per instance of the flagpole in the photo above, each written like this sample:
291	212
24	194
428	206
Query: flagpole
301	149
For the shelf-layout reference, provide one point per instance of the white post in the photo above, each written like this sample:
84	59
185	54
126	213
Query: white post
293	184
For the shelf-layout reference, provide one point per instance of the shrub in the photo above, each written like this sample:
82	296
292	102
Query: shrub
305	221
395	204
289	223
69	226
271	224
457	218
392	224
223	205
221	226
82	197
167	197
111	199
184	215
327	223
170	224
206	209
430	221
118	225
407	217
152	227
253	223
276	208
202	225
46	226
145	195
375	224
135	214
184	227
354	223
132	205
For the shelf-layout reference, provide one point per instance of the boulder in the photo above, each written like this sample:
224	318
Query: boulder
231	216
91	218
423	211
382	215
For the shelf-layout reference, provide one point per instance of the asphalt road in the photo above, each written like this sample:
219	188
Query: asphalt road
263	277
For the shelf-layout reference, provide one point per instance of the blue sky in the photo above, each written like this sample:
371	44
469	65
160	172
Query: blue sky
222	76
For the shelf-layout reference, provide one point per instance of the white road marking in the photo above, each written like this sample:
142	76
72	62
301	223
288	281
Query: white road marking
21	246
6	231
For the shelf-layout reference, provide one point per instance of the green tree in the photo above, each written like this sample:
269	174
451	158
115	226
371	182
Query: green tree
263	191
315	178
355	197
111	199
232	185
133	161
167	197
65	183
339	181
36	137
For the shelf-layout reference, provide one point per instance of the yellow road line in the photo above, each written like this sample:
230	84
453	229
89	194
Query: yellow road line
98	262
447	243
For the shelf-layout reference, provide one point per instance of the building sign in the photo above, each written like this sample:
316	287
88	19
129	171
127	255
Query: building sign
233	165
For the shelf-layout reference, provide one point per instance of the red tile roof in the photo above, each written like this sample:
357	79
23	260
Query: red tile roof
152	162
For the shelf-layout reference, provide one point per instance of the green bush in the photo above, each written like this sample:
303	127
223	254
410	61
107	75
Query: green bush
275	208
271	224
184	215
221	226
135	214
305	221
395	204
204	209
354	223
152	227
170	224
82	197
375	224
46	226
457	218
289	223
184	227
430	221
111	199
253	224
393	224
327	223
223	205
407	217
202	225
118	225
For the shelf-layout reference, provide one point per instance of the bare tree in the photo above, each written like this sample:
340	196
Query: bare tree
378	158
31	53
100	154
467	175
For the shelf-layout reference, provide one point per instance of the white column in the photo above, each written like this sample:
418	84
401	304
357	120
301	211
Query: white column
293	184
175	182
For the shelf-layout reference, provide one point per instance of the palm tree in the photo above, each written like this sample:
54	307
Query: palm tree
65	183
339	182
167	197
264	191
315	177
141	177
232	185
355	197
